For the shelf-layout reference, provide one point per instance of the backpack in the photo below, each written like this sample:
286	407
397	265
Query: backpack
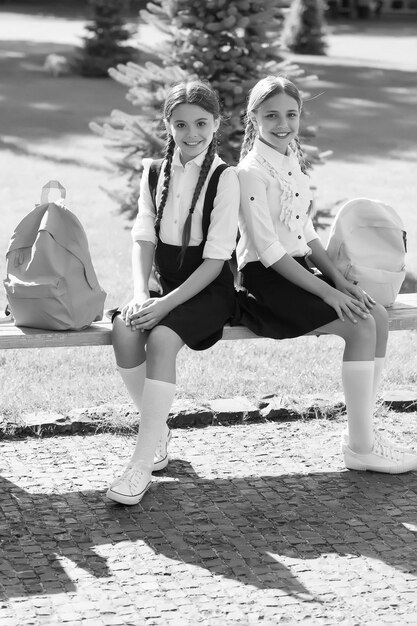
51	282
367	243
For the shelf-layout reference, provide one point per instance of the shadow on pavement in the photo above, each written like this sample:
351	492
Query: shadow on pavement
241	529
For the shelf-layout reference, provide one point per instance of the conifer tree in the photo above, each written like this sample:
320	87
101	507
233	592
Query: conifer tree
231	44
106	44
304	31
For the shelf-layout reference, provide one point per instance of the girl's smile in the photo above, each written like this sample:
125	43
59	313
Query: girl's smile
277	121
192	129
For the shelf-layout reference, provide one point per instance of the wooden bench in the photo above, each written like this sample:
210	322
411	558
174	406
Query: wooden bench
402	316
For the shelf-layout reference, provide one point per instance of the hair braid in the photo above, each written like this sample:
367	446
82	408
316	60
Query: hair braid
300	155
205	168
248	139
169	151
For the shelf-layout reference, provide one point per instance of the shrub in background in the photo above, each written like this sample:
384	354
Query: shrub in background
106	45
304	27
230	44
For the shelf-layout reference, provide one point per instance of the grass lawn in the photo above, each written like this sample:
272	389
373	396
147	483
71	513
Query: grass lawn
365	116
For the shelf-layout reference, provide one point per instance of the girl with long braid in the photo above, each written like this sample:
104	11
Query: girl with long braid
282	297
186	227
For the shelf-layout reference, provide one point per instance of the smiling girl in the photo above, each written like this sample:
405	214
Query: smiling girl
186	227
282	297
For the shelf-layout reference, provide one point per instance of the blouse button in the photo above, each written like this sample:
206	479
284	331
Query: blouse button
289	173
252	198
299	236
297	217
297	194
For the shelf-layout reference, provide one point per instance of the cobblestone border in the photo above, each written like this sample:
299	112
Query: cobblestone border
185	413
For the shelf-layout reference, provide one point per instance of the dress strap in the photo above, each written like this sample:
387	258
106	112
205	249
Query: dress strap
210	196
154	171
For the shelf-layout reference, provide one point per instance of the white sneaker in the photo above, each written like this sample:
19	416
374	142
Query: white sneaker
161	459
131	486
384	457
384	440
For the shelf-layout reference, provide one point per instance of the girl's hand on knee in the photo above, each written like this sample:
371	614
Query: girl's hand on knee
361	295
352	289
132	307
152	311
345	305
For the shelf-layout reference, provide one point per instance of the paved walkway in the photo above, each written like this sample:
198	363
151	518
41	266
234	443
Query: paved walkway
254	524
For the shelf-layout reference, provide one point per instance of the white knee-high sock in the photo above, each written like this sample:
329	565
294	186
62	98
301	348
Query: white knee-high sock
379	367
134	379
358	385
156	402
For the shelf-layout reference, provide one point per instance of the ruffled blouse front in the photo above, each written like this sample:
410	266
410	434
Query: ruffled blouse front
275	200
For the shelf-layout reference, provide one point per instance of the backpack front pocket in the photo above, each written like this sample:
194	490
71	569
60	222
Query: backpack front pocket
38	304
382	285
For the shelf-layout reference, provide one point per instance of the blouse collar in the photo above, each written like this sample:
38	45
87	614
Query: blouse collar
198	160
275	158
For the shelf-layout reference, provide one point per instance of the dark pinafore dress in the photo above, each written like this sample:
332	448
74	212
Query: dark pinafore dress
199	321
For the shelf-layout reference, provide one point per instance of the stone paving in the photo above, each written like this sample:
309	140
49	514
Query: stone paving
255	524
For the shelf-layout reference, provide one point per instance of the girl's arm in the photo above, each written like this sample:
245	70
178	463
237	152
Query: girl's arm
342	303
326	266
257	220
155	309
144	241
142	259
323	262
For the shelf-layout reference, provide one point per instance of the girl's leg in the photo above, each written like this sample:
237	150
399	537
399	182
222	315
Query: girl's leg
380	315
159	390
129	350
162	348
366	450
357	378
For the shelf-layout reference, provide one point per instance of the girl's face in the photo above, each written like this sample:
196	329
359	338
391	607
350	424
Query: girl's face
192	129
277	121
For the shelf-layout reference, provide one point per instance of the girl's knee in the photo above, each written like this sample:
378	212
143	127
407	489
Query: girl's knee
128	345
119	328
364	330
120	332
380	315
163	341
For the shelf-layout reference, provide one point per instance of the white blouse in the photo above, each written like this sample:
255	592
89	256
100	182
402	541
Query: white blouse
221	238
274	202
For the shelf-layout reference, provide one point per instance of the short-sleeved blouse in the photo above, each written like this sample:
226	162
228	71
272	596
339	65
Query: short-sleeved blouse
221	238
274	207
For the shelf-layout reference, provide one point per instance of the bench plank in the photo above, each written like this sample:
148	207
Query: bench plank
402	316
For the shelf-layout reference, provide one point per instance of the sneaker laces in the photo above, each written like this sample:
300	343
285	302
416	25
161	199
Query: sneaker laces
162	447
133	475
397	446
386	449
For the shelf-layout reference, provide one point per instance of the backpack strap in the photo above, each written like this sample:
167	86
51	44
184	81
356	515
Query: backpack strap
210	196
154	171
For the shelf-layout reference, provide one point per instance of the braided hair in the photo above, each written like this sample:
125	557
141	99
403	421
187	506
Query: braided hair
295	144
201	94
204	170
169	152
249	137
262	91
